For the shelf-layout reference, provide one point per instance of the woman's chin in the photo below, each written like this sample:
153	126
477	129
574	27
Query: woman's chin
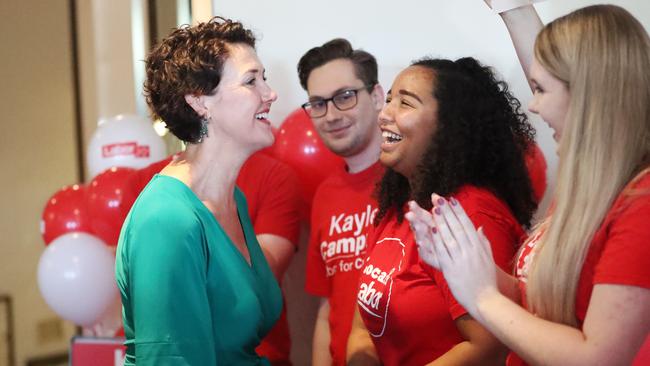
264	143
270	141
387	160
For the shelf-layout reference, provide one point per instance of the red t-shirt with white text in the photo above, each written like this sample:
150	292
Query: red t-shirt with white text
618	254
342	213
405	304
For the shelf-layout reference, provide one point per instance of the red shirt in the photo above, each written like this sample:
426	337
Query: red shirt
405	304
618	254
342	213
272	194
536	166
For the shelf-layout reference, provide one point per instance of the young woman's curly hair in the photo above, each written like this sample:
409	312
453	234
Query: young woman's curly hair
481	139
189	61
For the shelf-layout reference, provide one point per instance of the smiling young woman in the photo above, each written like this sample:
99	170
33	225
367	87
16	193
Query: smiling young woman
452	126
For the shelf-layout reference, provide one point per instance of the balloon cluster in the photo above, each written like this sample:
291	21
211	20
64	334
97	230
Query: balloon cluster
81	223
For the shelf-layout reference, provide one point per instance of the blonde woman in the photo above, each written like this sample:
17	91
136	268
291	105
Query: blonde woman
581	290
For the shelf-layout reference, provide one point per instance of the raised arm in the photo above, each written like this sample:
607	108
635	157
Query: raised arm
523	24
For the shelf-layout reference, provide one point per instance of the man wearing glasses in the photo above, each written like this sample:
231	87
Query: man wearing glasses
345	99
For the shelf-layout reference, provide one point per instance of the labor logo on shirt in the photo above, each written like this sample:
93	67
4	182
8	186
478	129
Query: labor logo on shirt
376	282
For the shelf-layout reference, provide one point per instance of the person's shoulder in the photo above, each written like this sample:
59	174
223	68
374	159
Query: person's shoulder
164	202
259	162
328	186
342	179
389	226
141	177
369	176
262	167
479	200
641	181
473	196
634	197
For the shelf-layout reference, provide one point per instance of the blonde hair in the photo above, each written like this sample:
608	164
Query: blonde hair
602	54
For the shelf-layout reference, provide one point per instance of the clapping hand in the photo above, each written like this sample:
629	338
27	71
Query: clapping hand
453	245
422	224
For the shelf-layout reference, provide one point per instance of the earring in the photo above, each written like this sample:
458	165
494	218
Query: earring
204	129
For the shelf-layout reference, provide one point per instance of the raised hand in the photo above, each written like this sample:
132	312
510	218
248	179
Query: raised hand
464	254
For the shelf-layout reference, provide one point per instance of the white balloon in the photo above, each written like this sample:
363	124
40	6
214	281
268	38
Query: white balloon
110	322
124	141
76	276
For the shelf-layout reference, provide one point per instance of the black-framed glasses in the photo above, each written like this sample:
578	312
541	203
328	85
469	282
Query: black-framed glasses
343	101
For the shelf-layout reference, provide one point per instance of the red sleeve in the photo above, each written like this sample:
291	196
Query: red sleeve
625	258
278	202
503	241
316	280
141	177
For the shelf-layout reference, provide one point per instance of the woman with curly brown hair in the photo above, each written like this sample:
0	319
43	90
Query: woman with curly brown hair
448	126
195	287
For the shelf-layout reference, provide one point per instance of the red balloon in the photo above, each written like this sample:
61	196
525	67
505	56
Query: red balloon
65	212
536	164
298	145
109	198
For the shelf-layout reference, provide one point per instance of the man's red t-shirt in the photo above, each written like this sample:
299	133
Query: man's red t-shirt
342	213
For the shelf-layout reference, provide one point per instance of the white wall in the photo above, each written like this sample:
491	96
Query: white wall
396	32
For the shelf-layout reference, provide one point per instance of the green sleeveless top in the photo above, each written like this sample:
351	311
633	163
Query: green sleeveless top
189	297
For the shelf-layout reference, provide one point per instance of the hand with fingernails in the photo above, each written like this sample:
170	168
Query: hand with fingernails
447	240
421	222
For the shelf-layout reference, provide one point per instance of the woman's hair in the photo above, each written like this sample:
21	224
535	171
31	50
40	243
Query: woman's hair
189	61
480	139
602	54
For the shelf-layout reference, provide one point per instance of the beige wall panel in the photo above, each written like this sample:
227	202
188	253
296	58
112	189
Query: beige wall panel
37	152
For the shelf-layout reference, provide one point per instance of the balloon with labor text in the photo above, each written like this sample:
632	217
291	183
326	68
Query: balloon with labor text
124	141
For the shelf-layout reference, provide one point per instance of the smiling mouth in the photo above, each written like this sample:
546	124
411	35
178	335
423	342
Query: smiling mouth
391	137
262	116
338	129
